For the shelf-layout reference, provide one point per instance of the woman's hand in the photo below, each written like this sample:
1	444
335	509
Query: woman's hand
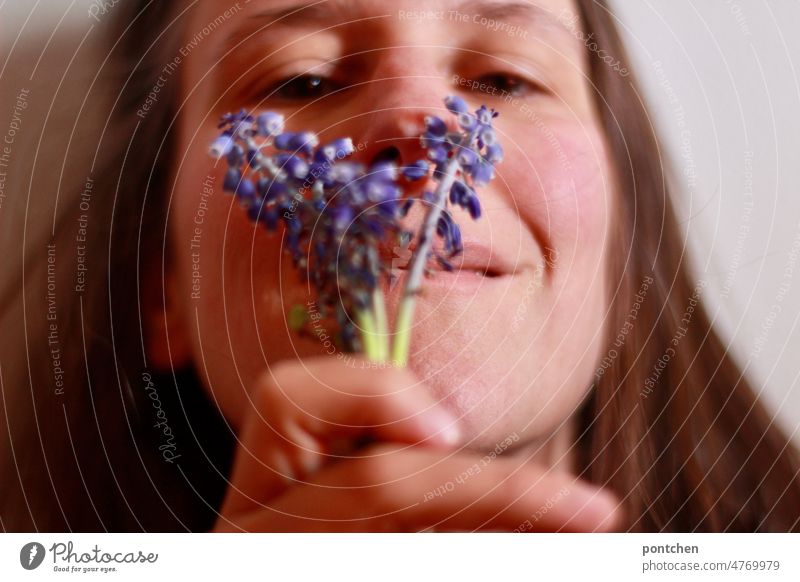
297	467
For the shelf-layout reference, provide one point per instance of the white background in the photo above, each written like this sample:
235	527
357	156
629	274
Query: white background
403	557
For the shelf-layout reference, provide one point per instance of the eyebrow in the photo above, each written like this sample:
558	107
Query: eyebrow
499	10
322	11
291	15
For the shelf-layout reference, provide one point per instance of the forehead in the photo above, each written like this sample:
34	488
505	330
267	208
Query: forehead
334	8
493	15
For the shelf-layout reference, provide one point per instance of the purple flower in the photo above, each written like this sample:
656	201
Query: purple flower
336	150
295	167
465	197
299	141
343	173
232	178
438	153
467	157
435	126
235	156
463	160
482	173
455	105
337	214
416	171
494	153
450	233
269	124
222	145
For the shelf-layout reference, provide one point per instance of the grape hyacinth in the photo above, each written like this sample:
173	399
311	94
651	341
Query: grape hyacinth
337	214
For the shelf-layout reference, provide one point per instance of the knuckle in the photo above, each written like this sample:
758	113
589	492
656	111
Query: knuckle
515	483
377	467
280	374
282	382
375	478
391	378
376	382
265	396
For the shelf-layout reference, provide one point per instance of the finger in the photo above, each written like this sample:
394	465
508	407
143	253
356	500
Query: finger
302	413
417	489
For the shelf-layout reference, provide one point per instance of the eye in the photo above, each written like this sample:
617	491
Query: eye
303	87
506	84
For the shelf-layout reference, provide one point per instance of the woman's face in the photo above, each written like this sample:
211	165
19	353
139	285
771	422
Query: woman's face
511	353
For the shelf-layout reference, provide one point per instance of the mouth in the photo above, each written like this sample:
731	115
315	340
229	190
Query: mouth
477	262
478	259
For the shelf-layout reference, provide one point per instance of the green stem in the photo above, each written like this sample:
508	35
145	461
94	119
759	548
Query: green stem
416	272
375	329
382	324
366	321
402	338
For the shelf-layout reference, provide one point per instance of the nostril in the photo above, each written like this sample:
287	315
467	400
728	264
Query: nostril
387	154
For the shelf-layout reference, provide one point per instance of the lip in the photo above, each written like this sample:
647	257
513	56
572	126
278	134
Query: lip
476	257
478	267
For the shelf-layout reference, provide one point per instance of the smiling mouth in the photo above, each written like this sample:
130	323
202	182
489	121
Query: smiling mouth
462	281
436	267
475	259
469	273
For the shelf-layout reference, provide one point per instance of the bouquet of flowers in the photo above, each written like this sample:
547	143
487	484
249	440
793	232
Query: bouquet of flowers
339	215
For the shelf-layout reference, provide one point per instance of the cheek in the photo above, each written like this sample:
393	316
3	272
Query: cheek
559	179
247	283
229	277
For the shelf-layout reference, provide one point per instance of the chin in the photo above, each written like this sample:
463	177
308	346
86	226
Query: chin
472	370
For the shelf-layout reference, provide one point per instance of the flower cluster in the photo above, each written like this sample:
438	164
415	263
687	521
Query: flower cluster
337	214
463	160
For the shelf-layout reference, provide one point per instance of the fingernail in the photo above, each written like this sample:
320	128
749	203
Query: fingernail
451	435
601	507
445	427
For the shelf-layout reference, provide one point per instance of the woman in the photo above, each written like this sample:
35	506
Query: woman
577	385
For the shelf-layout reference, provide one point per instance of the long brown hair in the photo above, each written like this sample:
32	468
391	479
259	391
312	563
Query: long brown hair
671	424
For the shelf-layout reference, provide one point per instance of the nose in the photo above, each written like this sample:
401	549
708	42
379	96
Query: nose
388	154
392	134
407	83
